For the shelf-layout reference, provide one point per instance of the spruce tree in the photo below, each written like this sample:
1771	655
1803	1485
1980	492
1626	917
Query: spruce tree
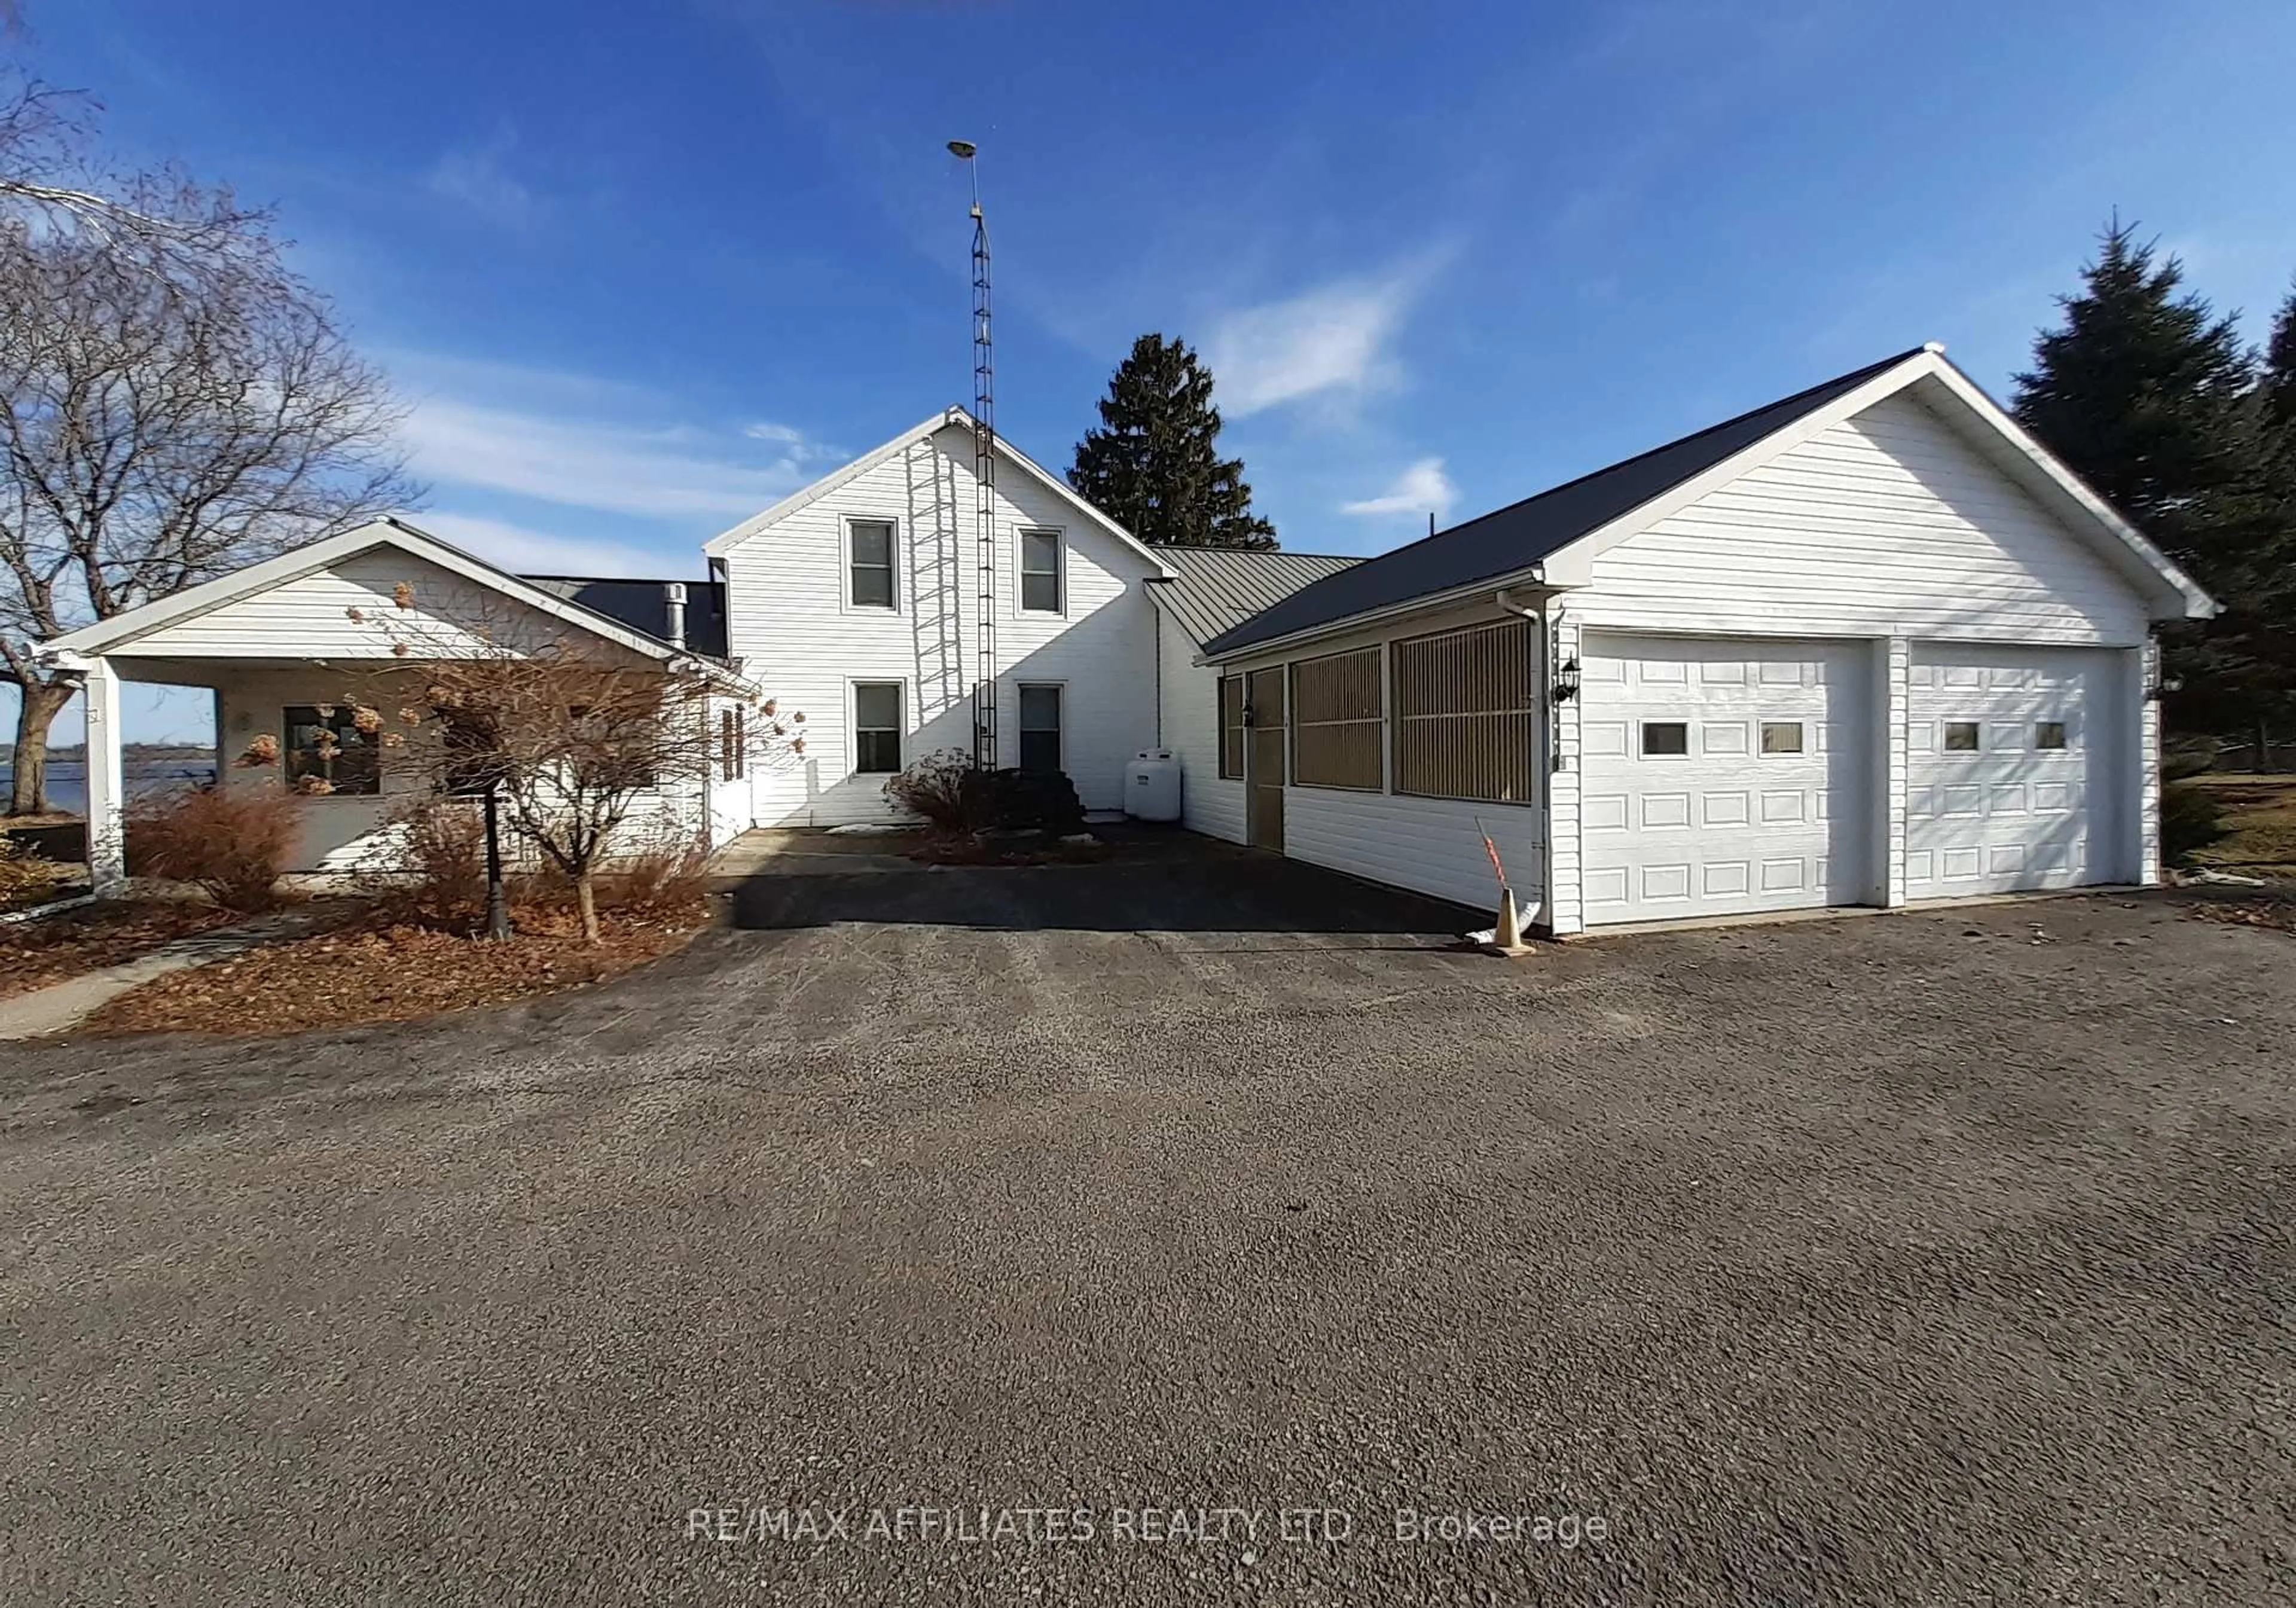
1153	465
2142	391
2151	397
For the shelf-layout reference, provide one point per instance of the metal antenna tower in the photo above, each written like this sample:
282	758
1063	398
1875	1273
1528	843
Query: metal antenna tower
984	474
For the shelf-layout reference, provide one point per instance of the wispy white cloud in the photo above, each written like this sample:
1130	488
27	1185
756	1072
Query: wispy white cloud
663	472
801	448
522	549
1335	339
479	177
1420	488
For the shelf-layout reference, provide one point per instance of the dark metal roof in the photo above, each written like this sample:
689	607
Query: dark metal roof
1516	537
1216	589
639	605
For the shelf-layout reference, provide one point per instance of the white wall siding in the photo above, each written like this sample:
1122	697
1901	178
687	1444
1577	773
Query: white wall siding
791	626
1888	524
2139	666
1430	846
1564	911
311	616
1190	694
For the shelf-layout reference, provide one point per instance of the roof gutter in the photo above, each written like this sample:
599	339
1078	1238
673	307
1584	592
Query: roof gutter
1535	576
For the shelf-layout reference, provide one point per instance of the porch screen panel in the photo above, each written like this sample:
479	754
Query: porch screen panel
1466	713
1231	721
1335	721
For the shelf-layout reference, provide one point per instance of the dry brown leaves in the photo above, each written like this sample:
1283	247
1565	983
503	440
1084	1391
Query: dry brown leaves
34	954
2279	915
389	973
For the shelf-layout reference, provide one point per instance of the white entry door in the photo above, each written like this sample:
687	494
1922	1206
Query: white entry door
1722	775
2008	773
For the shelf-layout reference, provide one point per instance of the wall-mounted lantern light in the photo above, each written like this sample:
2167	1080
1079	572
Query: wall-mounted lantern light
2157	685
1248	714
1566	680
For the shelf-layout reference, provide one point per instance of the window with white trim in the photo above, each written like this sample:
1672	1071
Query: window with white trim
876	728
1668	739
1041	581
326	751
871	582
1961	736
1040	726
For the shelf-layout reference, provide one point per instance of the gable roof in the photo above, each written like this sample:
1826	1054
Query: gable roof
121	630
955	418
1216	589
1514	537
1596	511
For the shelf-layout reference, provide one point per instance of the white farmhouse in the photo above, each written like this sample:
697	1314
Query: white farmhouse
1867	645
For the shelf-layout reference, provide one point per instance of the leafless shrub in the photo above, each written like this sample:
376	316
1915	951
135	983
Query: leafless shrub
939	788
584	742
439	879
232	844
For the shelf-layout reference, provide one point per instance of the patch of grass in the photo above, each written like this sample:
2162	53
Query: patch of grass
2260	811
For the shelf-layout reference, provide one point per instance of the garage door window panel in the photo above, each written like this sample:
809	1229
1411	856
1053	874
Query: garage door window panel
1666	739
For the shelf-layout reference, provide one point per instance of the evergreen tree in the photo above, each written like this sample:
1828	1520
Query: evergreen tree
2142	391
2277	385
1153	465
2152	399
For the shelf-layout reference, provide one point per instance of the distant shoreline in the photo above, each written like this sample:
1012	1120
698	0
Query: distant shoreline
76	755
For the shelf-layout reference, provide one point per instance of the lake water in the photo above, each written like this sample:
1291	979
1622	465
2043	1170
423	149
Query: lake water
68	779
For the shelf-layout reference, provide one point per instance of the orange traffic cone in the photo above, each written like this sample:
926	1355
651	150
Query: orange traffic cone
1506	934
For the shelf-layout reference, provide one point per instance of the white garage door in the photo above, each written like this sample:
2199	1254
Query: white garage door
2009	767
1722	775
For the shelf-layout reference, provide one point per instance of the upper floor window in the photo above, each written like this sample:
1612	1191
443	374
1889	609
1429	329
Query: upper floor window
869	559
1040	571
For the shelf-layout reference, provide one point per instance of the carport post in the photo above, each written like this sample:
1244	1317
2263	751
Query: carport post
106	834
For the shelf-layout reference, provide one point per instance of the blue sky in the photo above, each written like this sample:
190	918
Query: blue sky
642	269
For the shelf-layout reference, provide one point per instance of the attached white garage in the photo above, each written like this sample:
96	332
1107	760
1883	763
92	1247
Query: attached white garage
1724	775
2011	755
1868	645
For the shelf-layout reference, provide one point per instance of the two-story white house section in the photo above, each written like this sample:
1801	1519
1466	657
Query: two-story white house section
858	601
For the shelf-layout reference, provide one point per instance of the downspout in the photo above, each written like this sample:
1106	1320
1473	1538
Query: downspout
1544	690
1158	661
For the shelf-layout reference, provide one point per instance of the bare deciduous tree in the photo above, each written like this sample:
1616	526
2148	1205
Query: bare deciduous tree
173	404
576	736
159	219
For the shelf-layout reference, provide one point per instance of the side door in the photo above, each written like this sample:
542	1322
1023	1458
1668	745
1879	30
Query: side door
1264	695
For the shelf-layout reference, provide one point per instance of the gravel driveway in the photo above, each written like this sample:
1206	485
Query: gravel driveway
1933	1258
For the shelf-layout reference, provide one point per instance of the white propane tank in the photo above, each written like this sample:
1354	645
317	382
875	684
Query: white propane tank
1151	789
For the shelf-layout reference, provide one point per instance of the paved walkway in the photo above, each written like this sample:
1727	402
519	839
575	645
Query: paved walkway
62	1006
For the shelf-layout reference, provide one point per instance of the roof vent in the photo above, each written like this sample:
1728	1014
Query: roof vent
673	606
